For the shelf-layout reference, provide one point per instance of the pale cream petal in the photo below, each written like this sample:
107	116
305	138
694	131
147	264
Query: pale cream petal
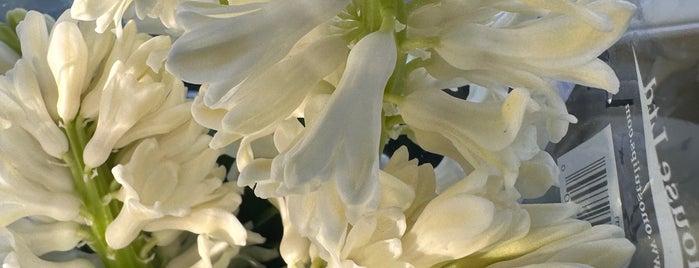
273	95
286	133
491	125
45	237
129	223
91	9
216	223
332	147
67	59
20	198
595	73
536	238
123	103
599	246
37	167
35	117
537	175
254	36
205	116
394	192
16	253
447	229
420	181
573	9
381	254
538	44
160	122
34	39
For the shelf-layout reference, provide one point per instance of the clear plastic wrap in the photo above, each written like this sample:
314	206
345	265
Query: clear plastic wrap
633	158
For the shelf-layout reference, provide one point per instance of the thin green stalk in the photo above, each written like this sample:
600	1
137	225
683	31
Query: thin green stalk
371	15
93	185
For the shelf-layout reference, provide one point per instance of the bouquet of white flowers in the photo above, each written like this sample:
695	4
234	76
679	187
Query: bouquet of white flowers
105	162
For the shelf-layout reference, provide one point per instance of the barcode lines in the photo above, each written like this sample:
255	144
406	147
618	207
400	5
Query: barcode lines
588	187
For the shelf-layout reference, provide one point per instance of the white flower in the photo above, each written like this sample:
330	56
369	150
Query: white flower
233	42
294	247
562	44
134	88
24	106
470	216
258	102
340	145
15	251
484	134
67	121
33	184
515	50
44	237
554	237
166	185
476	221
109	13
67	61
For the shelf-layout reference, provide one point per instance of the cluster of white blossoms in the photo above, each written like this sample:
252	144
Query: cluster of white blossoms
99	148
99	144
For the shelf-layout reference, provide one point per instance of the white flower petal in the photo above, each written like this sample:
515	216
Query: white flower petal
599	246
33	116
333	147
156	123
37	167
254	34
216	223
448	228
293	247
537	175
20	198
45	237
91	9
17	253
129	223
584	42
122	104
67	59
273	95
566	7
595	73
204	115
490	125
34	39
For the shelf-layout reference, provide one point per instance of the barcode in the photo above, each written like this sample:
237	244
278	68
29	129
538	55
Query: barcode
589	178
588	188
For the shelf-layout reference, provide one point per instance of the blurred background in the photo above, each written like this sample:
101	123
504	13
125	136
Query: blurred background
51	7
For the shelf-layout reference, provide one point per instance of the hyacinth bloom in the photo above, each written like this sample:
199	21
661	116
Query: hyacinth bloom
310	91
98	147
473	223
324	172
110	13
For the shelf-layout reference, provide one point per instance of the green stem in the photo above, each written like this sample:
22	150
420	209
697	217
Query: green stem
93	186
371	15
